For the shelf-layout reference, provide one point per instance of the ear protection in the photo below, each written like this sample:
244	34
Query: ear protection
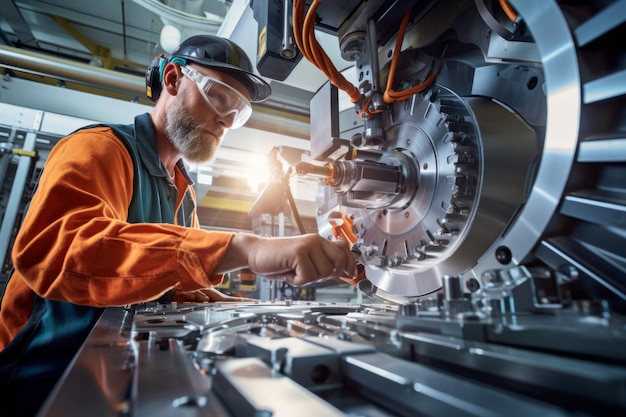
154	75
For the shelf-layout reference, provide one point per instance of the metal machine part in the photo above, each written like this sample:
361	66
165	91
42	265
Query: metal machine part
442	225
446	356
513	156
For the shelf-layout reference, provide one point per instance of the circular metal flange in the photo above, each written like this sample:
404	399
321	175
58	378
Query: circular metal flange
456	212
558	55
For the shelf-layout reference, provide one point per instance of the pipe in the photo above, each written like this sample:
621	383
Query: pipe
32	62
275	115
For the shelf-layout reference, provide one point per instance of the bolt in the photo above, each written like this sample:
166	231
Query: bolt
393	262
472	284
504	255
489	277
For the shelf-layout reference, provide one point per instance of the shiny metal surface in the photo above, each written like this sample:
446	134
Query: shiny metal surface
531	102
557	51
101	375
250	388
423	390
312	358
473	158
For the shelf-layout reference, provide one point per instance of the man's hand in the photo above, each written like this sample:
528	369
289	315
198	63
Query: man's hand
298	259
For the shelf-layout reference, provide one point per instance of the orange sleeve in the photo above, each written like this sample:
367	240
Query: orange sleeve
75	243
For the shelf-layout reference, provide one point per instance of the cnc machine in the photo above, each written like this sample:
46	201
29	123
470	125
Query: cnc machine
478	173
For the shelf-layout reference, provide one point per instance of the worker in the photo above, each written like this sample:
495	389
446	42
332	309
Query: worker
113	221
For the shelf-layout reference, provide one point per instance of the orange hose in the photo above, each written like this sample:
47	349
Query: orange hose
387	96
405	94
508	10
311	42
365	113
390	95
313	52
304	33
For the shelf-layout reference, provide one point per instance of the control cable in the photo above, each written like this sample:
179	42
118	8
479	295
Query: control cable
390	94
304	33
508	10
312	51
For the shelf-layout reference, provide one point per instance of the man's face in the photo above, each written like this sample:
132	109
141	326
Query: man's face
193	125
187	133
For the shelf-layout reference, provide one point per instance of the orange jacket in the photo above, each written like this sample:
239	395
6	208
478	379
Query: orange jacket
76	244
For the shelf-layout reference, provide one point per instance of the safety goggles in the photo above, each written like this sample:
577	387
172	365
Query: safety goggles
222	98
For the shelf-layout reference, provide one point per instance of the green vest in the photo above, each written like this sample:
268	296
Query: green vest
154	196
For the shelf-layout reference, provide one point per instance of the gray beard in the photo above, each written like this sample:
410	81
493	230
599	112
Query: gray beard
185	134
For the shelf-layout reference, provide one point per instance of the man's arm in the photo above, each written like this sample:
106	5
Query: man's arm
297	259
